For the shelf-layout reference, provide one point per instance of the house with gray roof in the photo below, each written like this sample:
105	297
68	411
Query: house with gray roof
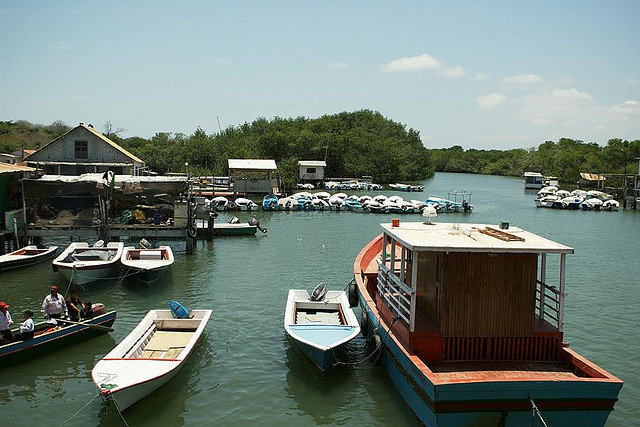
84	150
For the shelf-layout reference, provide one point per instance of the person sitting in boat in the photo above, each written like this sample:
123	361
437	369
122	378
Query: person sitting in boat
54	306
74	305
5	322
26	328
87	311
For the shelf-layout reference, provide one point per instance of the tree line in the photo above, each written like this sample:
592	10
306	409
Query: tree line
354	144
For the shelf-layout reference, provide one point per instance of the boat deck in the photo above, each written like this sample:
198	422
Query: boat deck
166	345
500	371
318	318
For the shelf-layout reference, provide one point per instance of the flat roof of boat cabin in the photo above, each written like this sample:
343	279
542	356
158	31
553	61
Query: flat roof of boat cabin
443	237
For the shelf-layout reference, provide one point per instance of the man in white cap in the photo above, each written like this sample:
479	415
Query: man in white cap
54	306
5	322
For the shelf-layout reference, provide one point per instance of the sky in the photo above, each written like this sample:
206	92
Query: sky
481	74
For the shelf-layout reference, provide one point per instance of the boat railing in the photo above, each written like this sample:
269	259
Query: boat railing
548	303
395	292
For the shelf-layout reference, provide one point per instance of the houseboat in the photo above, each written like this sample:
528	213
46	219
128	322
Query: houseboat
470	330
533	180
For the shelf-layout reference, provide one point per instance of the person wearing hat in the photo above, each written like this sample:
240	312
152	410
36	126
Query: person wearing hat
5	322
54	306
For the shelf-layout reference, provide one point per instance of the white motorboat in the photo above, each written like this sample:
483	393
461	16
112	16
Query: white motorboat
245	204
81	263
592	204
546	201
219	203
320	324
23	257
599	195
149	356
547	191
610	205
147	264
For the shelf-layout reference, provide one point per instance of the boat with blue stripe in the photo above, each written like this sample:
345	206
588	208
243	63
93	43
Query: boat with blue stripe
470	330
320	325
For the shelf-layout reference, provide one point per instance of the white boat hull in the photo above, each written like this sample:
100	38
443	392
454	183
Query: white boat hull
83	271
149	356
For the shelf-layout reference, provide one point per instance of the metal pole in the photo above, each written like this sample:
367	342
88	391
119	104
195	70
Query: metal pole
563	259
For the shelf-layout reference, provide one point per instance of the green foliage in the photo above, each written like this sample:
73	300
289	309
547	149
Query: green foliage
564	159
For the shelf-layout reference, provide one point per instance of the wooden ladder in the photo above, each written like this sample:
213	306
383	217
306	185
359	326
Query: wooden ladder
499	234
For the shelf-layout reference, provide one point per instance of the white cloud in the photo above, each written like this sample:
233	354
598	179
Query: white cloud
481	77
633	82
567	106
626	110
412	63
454	72
337	65
523	79
223	61
490	100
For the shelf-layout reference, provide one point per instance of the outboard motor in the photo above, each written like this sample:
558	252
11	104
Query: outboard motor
144	244
319	292
234	220
256	223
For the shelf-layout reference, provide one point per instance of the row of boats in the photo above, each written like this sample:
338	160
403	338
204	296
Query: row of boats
593	200
307	201
81	263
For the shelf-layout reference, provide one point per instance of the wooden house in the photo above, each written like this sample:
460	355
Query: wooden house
253	176
312	170
84	150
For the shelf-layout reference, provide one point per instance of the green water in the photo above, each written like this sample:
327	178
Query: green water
244	370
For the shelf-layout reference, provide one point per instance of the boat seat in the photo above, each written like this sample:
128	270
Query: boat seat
318	318
166	344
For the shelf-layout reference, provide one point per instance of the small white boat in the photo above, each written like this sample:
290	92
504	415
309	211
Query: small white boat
599	195
23	257
592	204
245	204
81	263
147	264
546	201
149	356
320	324
219	203
610	205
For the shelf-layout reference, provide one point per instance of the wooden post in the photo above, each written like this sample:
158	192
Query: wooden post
563	260
210	223
543	276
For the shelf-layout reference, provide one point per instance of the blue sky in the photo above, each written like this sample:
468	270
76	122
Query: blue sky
488	74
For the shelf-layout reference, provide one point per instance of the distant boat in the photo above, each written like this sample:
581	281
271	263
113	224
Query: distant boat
270	203
244	204
147	264
48	337
23	257
533	180
320	324
149	356
81	263
353	205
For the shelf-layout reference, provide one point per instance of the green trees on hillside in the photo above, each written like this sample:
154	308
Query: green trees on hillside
353	144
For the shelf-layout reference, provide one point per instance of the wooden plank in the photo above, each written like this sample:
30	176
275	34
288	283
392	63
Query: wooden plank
499	234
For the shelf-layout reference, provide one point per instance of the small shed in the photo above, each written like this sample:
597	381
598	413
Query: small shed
11	193
312	170
84	150
254	176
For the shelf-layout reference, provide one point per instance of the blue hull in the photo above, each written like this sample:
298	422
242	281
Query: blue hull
491	402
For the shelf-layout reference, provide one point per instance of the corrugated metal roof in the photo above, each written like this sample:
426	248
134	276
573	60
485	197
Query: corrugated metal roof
252	164
592	176
10	168
317	163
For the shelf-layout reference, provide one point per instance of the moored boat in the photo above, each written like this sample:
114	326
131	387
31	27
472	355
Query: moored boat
49	337
270	203
320	324
470	340
149	356
147	264
82	264
25	256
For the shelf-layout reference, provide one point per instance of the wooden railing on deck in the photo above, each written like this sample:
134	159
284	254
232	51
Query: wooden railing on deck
548	304
395	292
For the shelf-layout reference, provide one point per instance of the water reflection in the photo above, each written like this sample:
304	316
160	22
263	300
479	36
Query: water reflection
308	386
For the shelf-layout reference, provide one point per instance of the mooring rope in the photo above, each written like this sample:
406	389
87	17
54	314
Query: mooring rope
81	409
119	411
536	412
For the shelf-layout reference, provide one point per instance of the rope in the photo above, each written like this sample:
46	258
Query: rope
536	412
81	409
119	411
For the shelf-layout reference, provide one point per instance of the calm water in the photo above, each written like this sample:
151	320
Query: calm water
244	369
